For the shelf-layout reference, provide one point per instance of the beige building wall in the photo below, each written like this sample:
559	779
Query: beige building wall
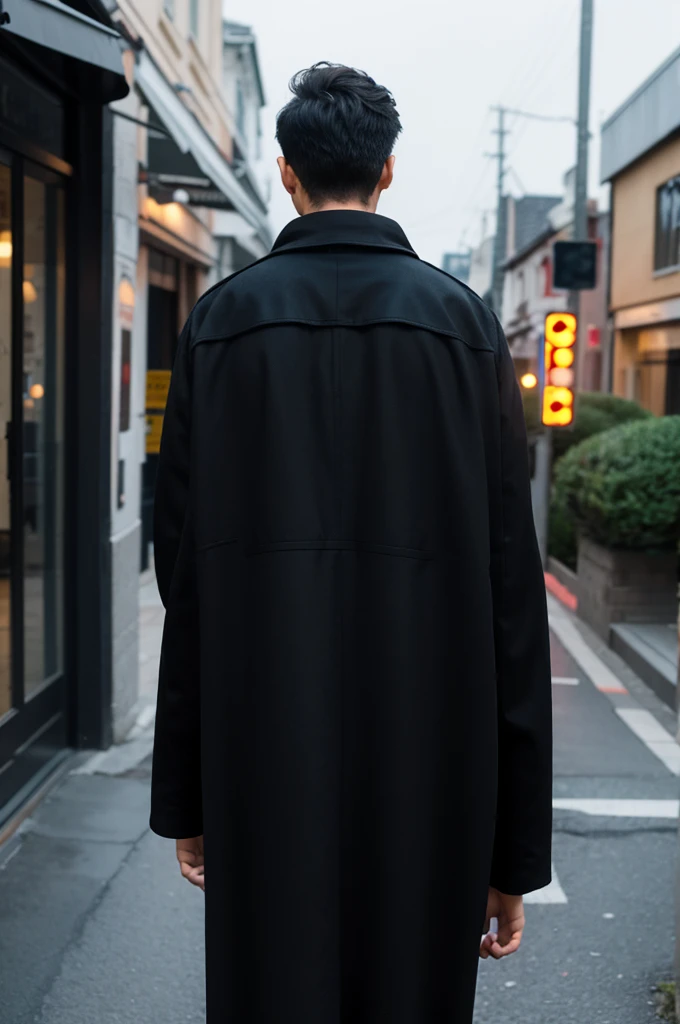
193	61
633	280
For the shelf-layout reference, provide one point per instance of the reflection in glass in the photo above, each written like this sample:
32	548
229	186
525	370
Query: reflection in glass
43	470
5	418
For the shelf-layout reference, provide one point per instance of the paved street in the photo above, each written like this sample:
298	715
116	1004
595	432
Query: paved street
604	937
98	926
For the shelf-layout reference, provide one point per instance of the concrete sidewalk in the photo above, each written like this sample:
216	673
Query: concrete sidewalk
97	923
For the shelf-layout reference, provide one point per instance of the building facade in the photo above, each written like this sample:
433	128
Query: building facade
481	268
457	264
60	65
535	223
188	209
641	160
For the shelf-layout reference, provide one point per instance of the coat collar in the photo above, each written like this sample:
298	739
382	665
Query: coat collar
353	228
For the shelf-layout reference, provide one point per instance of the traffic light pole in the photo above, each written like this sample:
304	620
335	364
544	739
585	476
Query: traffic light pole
581	183
543	479
580	227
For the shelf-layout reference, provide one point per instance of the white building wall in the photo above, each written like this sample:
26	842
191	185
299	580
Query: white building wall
126	446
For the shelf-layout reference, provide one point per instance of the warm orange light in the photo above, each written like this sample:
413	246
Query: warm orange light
126	293
36	391
5	248
174	214
528	381
561	377
563	356
558	406
560	329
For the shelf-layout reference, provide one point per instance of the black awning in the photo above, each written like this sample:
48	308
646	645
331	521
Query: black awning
58	27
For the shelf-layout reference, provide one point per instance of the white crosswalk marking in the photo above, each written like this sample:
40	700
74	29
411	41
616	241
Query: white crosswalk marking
619	808
564	681
653	735
553	893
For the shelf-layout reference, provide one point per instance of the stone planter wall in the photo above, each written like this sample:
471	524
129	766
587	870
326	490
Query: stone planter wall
625	586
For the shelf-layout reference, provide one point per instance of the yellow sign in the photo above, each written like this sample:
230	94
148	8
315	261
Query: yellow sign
157	387
154	429
561	330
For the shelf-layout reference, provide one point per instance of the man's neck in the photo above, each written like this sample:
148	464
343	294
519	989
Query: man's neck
361	207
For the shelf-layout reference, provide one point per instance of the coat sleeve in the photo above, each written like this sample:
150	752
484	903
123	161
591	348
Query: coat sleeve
176	776
522	847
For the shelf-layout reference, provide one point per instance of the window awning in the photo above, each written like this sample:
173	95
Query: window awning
185	157
58	27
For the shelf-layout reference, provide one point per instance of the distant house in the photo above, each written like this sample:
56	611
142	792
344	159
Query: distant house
481	268
640	157
457	264
535	223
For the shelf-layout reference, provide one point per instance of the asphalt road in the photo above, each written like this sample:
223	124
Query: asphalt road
594	955
96	926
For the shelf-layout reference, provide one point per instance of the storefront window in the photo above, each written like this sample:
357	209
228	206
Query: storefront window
43	400
5	418
657	369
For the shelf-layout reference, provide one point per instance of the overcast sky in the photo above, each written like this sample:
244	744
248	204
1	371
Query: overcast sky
447	62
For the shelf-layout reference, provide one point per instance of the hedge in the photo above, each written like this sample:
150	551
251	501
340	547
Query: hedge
593	414
621	488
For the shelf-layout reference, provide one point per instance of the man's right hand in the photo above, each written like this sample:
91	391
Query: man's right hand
509	912
192	861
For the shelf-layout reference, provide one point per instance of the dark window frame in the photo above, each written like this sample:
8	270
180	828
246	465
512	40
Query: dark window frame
667	226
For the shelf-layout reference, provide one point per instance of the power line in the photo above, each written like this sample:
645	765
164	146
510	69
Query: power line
536	72
517	179
539	117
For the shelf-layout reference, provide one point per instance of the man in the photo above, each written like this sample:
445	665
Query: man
353	738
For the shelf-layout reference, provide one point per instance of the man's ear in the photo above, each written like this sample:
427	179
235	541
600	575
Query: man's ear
387	175
288	176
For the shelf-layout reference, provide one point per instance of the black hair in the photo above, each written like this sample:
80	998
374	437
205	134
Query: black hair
337	131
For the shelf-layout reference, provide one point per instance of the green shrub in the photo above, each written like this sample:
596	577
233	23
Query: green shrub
593	414
621	488
562	535
532	412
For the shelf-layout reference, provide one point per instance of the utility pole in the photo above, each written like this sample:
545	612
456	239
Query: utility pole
542	484
501	214
580	225
580	228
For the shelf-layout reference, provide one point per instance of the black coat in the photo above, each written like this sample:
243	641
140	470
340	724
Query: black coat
354	701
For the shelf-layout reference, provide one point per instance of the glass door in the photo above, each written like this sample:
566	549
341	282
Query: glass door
43	290
32	341
6	249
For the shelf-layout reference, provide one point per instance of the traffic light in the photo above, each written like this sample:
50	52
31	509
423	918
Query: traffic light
561	330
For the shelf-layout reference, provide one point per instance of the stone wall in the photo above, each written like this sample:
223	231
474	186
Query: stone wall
625	586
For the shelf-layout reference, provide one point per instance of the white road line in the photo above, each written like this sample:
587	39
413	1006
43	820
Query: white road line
564	681
552	893
599	674
653	735
619	808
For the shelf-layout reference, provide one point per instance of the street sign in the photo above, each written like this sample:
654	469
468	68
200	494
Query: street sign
154	430
157	387
575	265
561	330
